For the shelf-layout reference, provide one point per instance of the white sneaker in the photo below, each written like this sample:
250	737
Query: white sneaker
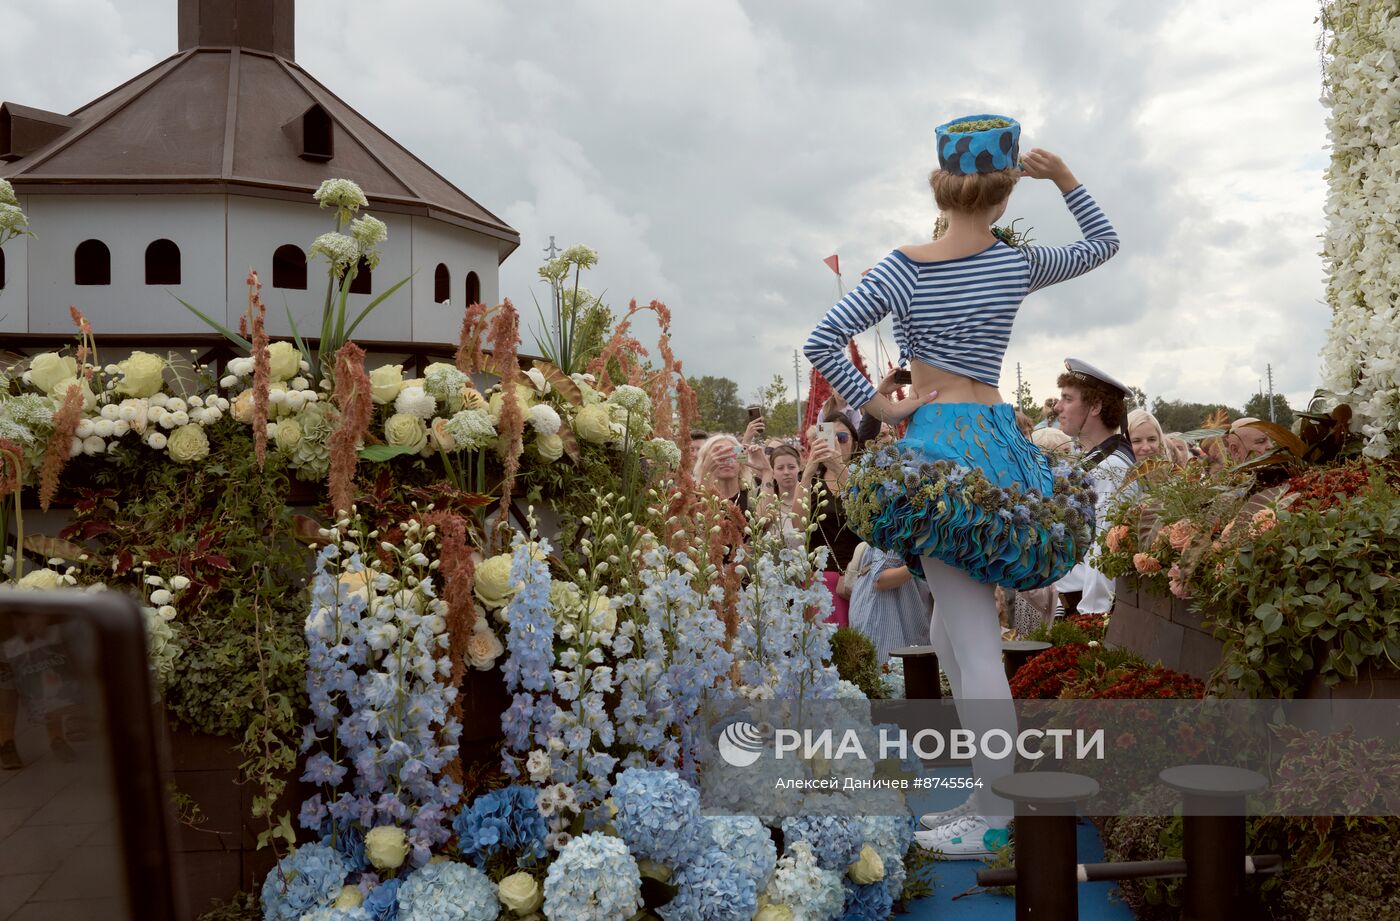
966	838
935	819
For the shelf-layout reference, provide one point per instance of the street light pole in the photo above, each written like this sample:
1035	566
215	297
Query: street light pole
552	251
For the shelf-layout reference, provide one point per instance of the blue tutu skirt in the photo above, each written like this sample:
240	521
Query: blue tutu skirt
966	487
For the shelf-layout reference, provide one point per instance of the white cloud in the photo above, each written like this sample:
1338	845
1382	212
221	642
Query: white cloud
714	152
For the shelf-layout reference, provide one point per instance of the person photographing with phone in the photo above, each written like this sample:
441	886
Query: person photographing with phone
820	488
964	498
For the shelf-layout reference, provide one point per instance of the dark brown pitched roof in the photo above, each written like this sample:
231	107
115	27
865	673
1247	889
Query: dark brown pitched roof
213	119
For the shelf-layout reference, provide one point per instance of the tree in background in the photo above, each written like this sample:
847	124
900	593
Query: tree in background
779	412
718	401
1258	407
1179	416
1138	399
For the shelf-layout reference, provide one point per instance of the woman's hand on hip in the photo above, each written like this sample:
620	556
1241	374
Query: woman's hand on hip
887	410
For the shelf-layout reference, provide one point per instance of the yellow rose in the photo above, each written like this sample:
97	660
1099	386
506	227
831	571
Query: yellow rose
483	646
406	429
40	580
386	847
242	409
550	447
386	383
49	368
188	444
649	869
868	868
284	361
520	892
774	912
492	583
288	435
594	423
60	392
141	375
350	897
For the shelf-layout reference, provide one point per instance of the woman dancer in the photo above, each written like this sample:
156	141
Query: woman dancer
965	497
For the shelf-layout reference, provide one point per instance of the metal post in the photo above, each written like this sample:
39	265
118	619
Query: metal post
797	394
552	251
1047	862
1213	828
1272	416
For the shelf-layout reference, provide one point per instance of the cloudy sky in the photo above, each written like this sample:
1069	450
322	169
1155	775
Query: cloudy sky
714	152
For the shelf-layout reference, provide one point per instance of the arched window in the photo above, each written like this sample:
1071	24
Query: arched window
473	289
363	282
442	284
289	267
2	269
92	263
163	263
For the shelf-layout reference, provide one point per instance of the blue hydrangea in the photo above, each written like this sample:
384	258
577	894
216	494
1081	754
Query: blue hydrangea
349	841
712	887
382	903
506	820
835	839
658	815
810	891
748	843
308	878
448	892
891	836
871	902
593	879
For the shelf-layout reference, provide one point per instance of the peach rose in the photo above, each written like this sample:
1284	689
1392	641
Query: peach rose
1145	564
1181	533
1115	538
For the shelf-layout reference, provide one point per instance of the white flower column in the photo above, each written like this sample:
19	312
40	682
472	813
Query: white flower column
1361	248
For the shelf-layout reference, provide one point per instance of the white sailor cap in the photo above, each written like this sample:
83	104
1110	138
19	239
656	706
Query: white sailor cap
1082	369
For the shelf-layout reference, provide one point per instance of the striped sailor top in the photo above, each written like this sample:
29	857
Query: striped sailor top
955	314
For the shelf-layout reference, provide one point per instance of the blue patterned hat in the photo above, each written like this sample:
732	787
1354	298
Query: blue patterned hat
980	151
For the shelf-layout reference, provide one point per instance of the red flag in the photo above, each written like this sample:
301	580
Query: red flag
833	262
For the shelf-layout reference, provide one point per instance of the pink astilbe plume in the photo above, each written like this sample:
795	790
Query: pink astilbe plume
458	578
664	382
60	446
11	467
262	367
354	396
505	339
622	348
85	341
469	354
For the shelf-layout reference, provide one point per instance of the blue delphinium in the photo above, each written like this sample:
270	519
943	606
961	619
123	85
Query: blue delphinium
382	903
871	902
748	843
677	655
778	645
658	816
505	820
308	878
532	716
593	879
448	892
834	839
712	887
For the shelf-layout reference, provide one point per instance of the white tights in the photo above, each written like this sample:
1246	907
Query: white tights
966	635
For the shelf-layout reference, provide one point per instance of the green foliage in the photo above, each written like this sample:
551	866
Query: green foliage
854	657
1258	407
1146	837
244	906
1314	596
1004	859
1180	416
718	402
919	877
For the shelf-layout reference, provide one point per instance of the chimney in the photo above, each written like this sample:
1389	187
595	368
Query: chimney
260	25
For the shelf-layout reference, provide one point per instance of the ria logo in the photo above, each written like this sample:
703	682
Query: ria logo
741	744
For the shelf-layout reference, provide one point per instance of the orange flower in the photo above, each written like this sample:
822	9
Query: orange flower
1115	538
1146	564
1181	534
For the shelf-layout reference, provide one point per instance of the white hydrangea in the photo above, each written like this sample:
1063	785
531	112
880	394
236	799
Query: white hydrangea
1361	246
545	420
415	401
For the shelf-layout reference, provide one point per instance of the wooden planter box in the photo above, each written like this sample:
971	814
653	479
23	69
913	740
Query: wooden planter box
1163	629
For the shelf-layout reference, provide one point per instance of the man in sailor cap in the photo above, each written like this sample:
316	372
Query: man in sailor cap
1093	408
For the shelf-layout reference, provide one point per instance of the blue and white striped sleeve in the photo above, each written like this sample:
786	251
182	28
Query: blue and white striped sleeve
879	292
1053	264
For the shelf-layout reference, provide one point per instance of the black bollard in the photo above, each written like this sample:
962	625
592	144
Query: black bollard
920	673
1047	862
1213	810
